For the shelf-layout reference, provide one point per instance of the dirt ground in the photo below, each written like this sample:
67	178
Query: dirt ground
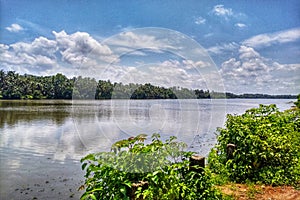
260	192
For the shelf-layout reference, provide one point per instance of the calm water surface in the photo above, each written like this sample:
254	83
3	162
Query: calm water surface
41	142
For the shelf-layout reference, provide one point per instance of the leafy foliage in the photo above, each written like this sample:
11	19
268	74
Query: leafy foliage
267	147
297	103
149	91
137	169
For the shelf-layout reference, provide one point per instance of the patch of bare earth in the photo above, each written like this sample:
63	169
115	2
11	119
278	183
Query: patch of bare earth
261	192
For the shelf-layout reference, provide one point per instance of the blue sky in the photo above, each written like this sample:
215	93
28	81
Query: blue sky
254	45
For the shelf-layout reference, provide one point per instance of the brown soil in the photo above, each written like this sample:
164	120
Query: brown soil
260	192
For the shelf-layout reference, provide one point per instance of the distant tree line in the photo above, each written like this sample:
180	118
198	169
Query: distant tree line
16	86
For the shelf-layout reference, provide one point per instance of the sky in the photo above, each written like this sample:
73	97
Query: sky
233	46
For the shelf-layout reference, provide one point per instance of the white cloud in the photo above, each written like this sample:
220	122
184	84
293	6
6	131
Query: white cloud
136	41
40	46
248	53
79	47
228	14
156	40
64	54
167	73
189	64
223	48
252	73
14	28
200	20
173	59
162	73
219	10
268	39
3	47
240	25
38	55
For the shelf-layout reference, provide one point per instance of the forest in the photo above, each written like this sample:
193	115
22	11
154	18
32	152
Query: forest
16	86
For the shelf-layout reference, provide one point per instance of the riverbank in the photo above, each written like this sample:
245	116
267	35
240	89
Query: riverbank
261	192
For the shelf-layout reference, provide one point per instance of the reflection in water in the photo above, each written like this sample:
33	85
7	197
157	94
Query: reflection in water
70	129
42	139
13	112
11	117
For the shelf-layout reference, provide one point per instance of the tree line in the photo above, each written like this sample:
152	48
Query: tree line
16	86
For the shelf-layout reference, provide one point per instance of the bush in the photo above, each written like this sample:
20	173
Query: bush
297	103
267	147
136	170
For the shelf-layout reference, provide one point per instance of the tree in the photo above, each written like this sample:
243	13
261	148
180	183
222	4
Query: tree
84	88
104	90
63	87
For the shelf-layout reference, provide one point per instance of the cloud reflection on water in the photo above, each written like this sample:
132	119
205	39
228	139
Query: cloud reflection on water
70	131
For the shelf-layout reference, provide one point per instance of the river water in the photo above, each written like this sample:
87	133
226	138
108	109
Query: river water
41	142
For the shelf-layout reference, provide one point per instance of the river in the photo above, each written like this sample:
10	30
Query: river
41	142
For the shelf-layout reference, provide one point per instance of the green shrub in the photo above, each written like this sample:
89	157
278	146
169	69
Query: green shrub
267	147
297	103
160	169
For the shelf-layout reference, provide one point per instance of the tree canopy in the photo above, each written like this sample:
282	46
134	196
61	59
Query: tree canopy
16	86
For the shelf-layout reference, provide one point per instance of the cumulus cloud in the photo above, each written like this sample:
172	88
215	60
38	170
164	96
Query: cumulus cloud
79	47
268	39
189	74
248	64
40	46
251	72
65	53
38	55
14	28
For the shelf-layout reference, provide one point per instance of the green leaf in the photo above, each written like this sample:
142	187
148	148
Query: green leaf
92	196
83	166
127	183
123	191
